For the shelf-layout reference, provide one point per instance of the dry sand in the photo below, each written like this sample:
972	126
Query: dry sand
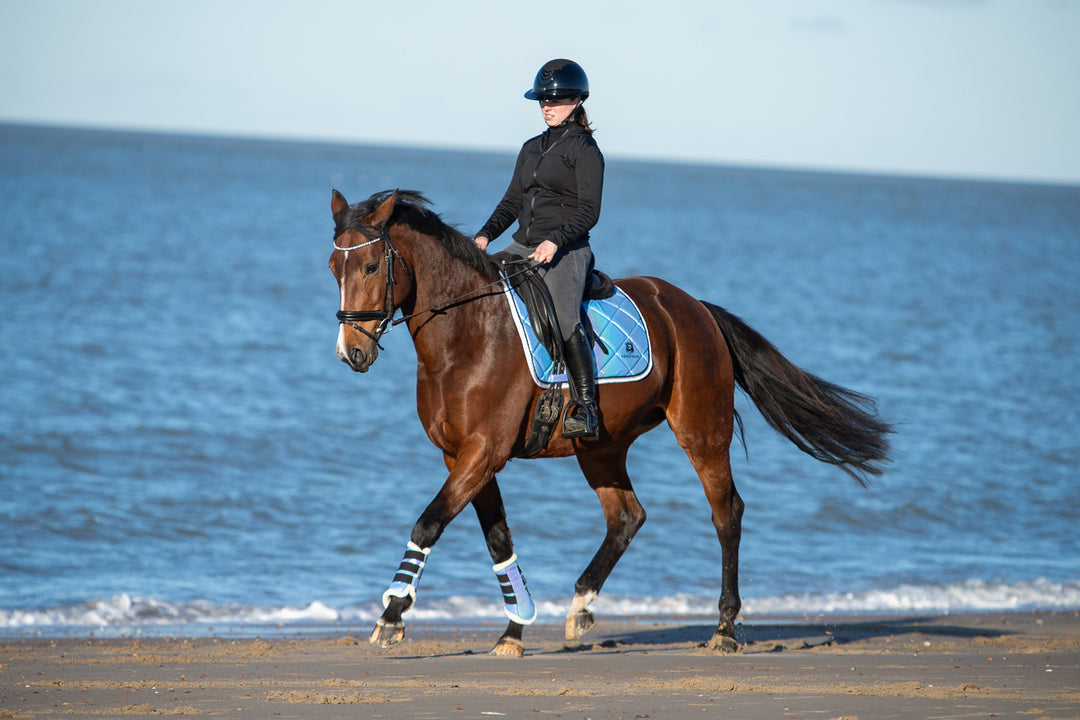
1005	665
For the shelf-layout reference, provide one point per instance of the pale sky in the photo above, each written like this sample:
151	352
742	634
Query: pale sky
959	88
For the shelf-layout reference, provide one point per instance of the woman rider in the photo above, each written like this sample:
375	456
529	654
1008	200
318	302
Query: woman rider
554	194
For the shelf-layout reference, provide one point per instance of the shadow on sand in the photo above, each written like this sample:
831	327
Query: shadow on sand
775	637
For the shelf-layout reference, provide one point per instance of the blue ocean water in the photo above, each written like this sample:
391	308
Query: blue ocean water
181	449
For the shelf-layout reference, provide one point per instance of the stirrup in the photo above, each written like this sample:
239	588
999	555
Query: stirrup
580	421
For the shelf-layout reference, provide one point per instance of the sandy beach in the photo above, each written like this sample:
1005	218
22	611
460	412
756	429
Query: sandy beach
1007	665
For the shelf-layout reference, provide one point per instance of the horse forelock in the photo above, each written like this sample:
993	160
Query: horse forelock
413	209
352	217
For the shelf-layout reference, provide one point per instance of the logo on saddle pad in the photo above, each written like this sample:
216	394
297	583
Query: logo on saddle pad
622	349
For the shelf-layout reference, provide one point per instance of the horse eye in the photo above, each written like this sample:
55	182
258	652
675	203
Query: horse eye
370	268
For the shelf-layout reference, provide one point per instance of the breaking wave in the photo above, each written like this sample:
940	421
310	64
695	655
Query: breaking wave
126	614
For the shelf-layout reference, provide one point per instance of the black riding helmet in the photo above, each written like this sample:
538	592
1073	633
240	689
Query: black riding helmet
558	80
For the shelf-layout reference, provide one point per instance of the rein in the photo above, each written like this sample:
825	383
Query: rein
386	315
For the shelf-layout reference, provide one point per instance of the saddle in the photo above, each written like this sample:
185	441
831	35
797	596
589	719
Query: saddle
532	289
533	292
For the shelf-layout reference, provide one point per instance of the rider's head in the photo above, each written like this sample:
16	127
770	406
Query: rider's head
558	82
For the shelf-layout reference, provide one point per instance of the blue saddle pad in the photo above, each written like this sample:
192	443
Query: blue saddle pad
623	353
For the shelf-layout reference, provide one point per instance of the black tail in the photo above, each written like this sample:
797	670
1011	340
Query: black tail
830	423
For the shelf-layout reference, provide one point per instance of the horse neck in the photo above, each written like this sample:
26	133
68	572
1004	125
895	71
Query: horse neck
440	280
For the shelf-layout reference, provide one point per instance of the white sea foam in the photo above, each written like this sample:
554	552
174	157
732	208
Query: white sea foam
145	614
128	614
972	595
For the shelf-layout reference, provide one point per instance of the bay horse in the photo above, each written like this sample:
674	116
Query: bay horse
475	395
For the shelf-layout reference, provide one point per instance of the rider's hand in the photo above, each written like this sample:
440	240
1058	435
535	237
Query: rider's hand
544	252
481	242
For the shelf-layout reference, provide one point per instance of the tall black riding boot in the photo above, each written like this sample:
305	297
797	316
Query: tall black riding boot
581	419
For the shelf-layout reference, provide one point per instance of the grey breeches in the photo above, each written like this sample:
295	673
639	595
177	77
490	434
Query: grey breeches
565	276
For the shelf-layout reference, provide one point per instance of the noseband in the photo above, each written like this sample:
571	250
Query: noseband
386	315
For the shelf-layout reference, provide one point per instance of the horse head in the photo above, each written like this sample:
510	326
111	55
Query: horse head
373	279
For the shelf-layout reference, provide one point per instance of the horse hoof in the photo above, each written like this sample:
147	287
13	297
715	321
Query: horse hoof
579	623
387	635
508	647
722	645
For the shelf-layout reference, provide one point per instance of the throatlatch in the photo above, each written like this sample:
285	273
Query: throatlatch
519	605
408	575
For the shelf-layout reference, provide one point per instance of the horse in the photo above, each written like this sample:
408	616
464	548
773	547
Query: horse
474	397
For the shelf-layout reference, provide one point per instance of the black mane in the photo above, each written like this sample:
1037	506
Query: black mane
413	209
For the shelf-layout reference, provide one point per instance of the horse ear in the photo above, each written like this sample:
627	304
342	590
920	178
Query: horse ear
382	213
338	203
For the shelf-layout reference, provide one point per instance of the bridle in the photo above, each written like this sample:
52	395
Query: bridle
386	315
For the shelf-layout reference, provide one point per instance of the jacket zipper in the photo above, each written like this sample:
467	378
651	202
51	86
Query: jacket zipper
532	200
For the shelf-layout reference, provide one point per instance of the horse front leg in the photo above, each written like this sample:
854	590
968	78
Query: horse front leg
401	595
516	598
468	475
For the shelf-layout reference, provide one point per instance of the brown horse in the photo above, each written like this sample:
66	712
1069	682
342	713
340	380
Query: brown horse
475	396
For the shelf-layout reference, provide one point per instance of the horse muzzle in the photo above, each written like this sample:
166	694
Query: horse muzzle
356	357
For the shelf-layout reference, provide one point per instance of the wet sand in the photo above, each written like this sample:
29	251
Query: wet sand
1006	665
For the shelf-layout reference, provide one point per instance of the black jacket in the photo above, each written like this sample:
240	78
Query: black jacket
555	191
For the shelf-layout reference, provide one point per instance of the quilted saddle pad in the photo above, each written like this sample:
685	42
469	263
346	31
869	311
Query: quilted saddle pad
622	353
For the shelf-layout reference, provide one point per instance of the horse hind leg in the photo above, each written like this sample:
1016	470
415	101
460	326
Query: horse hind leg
727	509
606	473
707	446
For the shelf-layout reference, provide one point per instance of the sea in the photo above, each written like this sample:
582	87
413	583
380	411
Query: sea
182	453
